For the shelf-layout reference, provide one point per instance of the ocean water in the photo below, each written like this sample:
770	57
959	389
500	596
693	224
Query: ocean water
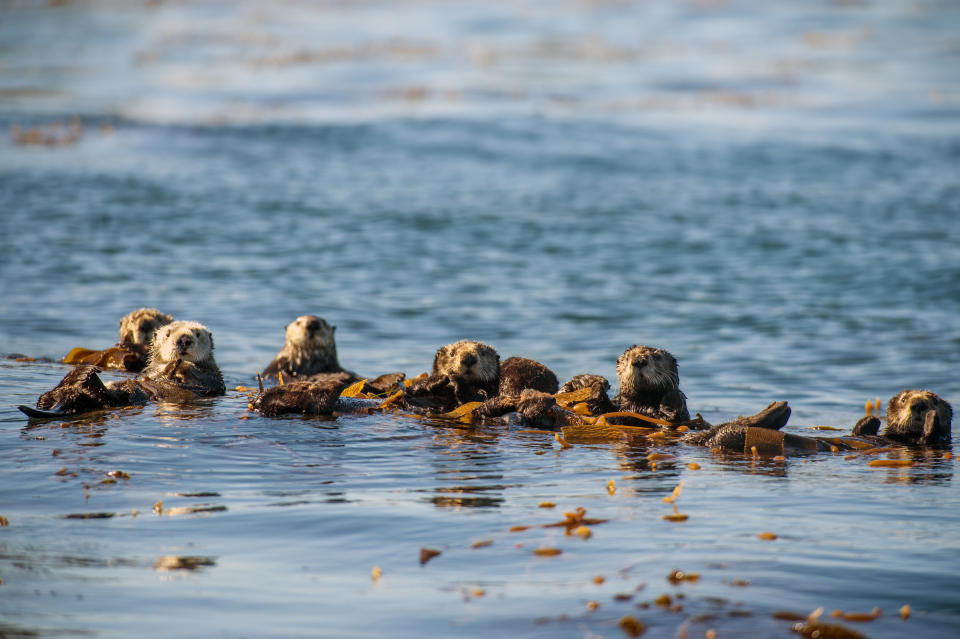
770	192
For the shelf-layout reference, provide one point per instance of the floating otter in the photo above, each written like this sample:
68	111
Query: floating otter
181	366
918	417
310	353
131	352
303	397
915	417
649	384
519	373
599	402
82	391
182	353
465	371
138	327
310	348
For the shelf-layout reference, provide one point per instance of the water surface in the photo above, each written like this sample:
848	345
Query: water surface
769	192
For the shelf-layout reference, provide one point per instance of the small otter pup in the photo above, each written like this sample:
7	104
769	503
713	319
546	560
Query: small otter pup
519	373
131	352
182	353
649	384
918	417
465	371
309	349
599	402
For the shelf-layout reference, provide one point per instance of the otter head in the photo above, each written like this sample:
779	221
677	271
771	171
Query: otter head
309	332
642	368
473	362
188	341
918	416
138	327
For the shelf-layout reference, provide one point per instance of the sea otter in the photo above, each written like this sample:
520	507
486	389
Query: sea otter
138	327
180	367
310	353
914	417
649	384
182	353
301	397
918	417
519	373
599	402
131	352
82	391
465	371
309	349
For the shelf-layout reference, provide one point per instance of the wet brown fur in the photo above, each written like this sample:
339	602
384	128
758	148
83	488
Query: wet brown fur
520	373
300	397
599	402
309	348
649	384
465	371
918	417
81	391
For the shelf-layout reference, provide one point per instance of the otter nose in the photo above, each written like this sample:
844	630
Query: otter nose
184	342
640	363
313	327
469	359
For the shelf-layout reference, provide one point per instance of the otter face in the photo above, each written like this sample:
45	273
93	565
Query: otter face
138	327
643	367
309	332
189	341
908	410
472	361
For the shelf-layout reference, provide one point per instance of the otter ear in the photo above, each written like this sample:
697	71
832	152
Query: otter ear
210	337
333	329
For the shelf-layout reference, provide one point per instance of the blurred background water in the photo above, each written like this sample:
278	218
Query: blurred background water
768	191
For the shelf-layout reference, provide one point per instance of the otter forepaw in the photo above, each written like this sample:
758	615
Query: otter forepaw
868	425
931	428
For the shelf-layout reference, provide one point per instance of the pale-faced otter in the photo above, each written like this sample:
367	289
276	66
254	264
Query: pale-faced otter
918	417
465	371
182	353
519	373
131	352
310	348
649	384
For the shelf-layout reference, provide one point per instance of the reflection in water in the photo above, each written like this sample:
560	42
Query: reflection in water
193	410
181	562
463	456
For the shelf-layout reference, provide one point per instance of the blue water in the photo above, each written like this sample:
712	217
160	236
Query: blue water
771	193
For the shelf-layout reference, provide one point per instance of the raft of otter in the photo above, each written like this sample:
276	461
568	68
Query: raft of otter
467	378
